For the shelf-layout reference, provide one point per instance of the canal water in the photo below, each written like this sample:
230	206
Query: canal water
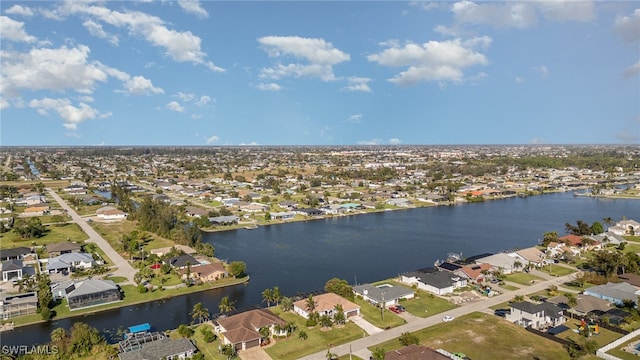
301	256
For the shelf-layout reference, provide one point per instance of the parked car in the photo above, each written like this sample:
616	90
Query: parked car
502	312
447	318
394	309
400	308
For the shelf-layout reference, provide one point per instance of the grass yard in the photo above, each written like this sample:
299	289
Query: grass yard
113	232
484	337
426	304
604	337
633	247
522	278
169	279
56	233
509	287
372	314
318	339
557	270
209	350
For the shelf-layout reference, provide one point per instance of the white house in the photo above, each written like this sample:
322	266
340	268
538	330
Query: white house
385	294
535	315
438	282
325	304
110	213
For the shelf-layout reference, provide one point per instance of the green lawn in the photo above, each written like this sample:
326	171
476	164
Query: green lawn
426	304
624	354
484	337
56	233
604	337
509	287
633	247
557	270
522	278
318	339
170	279
209	350
373	315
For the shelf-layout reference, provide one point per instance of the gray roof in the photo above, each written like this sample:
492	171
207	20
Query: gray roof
550	310
65	260
224	219
12	265
390	293
620	291
86	287
438	279
14	252
159	349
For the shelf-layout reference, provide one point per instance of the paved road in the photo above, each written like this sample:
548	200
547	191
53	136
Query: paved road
123	268
359	347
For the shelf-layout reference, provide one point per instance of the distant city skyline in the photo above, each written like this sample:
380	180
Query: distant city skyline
221	73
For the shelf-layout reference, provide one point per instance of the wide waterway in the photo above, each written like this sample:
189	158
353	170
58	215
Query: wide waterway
302	256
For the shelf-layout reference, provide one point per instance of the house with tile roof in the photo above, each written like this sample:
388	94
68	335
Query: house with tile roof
474	272
243	330
326	305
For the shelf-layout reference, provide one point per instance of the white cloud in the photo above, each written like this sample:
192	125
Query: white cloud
73	115
96	30
507	14
519	79
86	98
13	30
253	143
138	85
370	142
212	139
181	46
567	10
52	69
355	118
268	87
319	54
628	27
358	84
193	7
204	100
542	70
184	97
395	141
174	106
521	15
632	70
433	61
3	103
19	10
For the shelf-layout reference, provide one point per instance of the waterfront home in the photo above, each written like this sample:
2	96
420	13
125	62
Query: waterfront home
416	352
385	294
70	261
326	305
438	282
12	270
18	253
243	330
224	220
500	261
309	212
110	213
18	304
193	211
571	240
206	272
609	238
399	202
475	273
288	205
537	316
254	207
614	292
530	256
60	248
86	293
155	346
626	227
284	215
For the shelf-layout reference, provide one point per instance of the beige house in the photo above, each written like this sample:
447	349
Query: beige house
326	305
206	272
110	213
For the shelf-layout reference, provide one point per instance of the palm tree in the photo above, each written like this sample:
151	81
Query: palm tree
517	264
378	354
200	312
287	304
325	321
311	304
226	305
609	221
277	295
265	332
303	335
267	296
339	316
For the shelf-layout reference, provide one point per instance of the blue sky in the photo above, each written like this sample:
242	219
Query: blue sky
319	73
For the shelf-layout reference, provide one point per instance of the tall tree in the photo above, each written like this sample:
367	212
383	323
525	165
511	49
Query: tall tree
226	305
339	287
311	304
199	312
